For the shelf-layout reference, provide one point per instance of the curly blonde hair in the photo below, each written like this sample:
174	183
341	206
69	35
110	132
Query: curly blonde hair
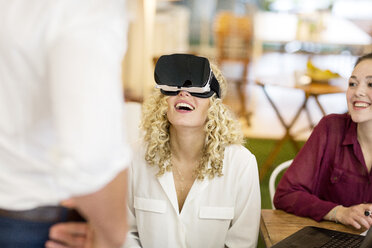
221	128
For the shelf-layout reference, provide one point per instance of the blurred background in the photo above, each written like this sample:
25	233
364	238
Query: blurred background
286	61
249	40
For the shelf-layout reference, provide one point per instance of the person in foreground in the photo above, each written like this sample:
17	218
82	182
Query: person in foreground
192	183
61	119
330	178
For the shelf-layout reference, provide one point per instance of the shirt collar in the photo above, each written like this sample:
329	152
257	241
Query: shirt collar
351	133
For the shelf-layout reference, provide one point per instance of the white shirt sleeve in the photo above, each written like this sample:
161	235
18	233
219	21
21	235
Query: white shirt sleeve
84	72
245	225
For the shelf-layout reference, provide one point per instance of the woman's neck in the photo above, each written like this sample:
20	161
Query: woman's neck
187	143
186	146
364	131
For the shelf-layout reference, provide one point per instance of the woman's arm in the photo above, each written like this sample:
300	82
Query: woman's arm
353	216
296	190
245	225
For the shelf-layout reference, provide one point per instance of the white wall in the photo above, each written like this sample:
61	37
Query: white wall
153	32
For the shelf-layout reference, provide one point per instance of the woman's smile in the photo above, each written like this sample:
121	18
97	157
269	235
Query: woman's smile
184	106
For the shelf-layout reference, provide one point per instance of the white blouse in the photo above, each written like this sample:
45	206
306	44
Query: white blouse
224	211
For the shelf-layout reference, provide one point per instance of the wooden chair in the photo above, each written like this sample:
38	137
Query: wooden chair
233	37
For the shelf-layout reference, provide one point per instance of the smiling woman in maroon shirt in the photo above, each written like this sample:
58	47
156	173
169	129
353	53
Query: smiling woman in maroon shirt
330	178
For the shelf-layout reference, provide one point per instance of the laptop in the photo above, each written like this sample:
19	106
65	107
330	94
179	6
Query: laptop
316	237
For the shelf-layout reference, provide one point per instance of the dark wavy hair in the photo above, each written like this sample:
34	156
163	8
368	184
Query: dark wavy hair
362	58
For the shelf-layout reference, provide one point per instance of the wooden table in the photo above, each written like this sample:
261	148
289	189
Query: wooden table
310	90
276	225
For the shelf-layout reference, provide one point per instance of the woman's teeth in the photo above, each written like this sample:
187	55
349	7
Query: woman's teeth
184	106
361	104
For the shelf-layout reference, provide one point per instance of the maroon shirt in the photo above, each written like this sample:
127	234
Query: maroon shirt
328	171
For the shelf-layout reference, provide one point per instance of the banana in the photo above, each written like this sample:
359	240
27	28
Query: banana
319	75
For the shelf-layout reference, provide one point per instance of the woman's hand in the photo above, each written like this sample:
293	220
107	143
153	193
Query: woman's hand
70	235
354	215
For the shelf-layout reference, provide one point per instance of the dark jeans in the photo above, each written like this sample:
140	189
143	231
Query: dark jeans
17	233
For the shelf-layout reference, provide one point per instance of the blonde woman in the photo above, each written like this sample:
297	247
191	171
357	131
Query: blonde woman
192	183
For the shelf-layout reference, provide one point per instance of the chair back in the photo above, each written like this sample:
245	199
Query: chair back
233	36
273	177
